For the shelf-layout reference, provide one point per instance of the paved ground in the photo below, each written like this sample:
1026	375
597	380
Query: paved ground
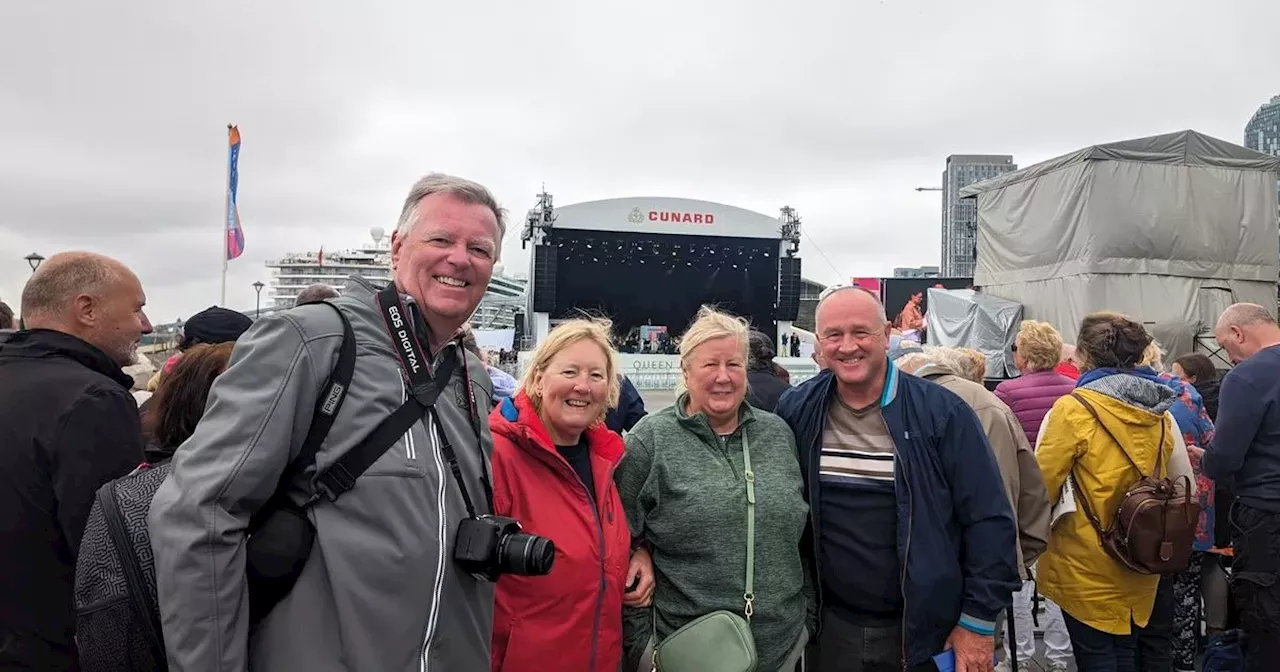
656	400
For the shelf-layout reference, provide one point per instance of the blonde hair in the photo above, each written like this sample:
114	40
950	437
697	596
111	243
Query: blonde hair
1153	356
710	325
563	336
1039	345
976	364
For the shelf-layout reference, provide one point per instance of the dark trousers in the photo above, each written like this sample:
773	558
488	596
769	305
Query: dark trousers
1155	643
1255	584
848	647
1098	651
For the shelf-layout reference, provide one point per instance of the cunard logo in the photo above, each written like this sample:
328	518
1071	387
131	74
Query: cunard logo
636	217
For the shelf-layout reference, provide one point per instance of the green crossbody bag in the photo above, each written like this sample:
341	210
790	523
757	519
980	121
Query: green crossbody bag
720	641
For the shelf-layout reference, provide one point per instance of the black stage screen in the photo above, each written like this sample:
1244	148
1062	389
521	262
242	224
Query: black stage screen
638	279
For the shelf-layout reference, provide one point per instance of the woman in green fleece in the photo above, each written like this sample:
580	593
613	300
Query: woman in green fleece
683	489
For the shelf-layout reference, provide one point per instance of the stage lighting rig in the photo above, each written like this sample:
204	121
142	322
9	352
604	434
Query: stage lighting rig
539	220
790	229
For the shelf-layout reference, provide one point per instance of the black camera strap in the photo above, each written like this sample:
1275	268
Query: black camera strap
424	390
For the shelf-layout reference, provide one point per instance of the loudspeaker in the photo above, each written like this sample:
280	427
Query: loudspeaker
544	279
788	288
518	321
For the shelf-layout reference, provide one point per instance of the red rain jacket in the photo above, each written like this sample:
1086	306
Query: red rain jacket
570	619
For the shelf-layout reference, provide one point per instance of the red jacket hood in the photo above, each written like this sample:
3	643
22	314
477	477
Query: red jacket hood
515	420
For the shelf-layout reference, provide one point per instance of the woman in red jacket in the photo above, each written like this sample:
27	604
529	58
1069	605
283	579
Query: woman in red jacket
553	462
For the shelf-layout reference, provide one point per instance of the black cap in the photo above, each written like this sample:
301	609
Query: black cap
214	325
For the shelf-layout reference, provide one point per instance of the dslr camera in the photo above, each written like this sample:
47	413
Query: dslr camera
489	546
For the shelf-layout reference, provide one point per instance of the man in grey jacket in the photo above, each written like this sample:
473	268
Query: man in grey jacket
380	590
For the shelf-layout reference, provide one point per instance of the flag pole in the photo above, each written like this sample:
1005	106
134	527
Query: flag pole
226	218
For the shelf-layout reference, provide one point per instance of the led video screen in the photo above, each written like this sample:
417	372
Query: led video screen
662	280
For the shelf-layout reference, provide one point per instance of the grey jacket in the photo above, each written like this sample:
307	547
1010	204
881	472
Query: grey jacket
380	590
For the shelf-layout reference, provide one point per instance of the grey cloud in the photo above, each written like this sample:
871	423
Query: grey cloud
116	113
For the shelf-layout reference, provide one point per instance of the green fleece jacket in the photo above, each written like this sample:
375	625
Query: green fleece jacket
685	496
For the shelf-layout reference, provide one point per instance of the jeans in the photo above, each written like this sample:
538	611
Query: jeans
1255	583
843	646
1057	641
1098	651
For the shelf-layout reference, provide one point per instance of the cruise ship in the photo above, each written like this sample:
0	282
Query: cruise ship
295	272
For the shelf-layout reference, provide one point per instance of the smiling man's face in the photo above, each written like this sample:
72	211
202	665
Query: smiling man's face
853	337
446	260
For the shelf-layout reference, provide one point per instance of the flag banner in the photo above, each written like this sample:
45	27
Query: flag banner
235	236
320	257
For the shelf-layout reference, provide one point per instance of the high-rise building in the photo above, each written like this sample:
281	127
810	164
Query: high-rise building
916	272
1262	133
960	218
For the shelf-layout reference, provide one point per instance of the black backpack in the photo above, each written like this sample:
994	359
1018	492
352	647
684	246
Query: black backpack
117	618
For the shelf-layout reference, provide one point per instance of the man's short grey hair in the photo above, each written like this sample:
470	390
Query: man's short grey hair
316	292
6	316
949	359
62	278
1245	315
832	291
462	189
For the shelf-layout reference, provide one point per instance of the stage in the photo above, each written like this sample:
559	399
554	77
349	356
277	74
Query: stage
652	262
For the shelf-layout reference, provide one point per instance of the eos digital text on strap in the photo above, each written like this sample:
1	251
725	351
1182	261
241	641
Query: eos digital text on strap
485	545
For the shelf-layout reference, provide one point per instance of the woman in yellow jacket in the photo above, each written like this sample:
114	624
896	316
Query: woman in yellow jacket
1102	601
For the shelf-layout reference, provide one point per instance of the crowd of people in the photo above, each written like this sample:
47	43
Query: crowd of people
349	485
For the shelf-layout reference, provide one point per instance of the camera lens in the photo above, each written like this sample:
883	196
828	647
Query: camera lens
527	555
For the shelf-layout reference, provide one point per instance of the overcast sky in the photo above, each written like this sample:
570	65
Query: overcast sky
115	113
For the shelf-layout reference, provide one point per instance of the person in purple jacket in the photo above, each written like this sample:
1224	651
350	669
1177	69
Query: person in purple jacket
1036	352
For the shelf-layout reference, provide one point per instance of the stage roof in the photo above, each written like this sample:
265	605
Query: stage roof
672	216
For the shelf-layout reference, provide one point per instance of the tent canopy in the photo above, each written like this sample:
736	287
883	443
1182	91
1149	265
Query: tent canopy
1168	229
1183	205
963	318
1184	148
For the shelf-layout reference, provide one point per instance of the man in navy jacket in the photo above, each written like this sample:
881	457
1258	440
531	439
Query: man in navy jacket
912	535
1245	456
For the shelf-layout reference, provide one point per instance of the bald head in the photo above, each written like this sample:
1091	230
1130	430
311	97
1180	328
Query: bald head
853	337
316	292
90	296
849	296
53	287
1245	315
1244	329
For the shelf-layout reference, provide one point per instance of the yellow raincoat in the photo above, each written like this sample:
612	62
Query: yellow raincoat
1076	573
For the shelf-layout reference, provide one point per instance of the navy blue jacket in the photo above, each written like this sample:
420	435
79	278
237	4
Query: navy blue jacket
956	535
1245	452
629	411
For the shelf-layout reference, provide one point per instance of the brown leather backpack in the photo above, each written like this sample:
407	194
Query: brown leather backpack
1154	526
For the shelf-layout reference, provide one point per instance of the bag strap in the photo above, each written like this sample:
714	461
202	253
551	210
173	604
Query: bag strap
1080	494
143	605
750	476
341	476
330	400
1159	448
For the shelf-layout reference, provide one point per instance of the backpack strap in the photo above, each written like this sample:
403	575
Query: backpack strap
342	475
1080	494
1159	447
141	603
330	400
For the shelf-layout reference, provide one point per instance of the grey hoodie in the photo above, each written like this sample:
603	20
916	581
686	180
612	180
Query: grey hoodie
380	590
